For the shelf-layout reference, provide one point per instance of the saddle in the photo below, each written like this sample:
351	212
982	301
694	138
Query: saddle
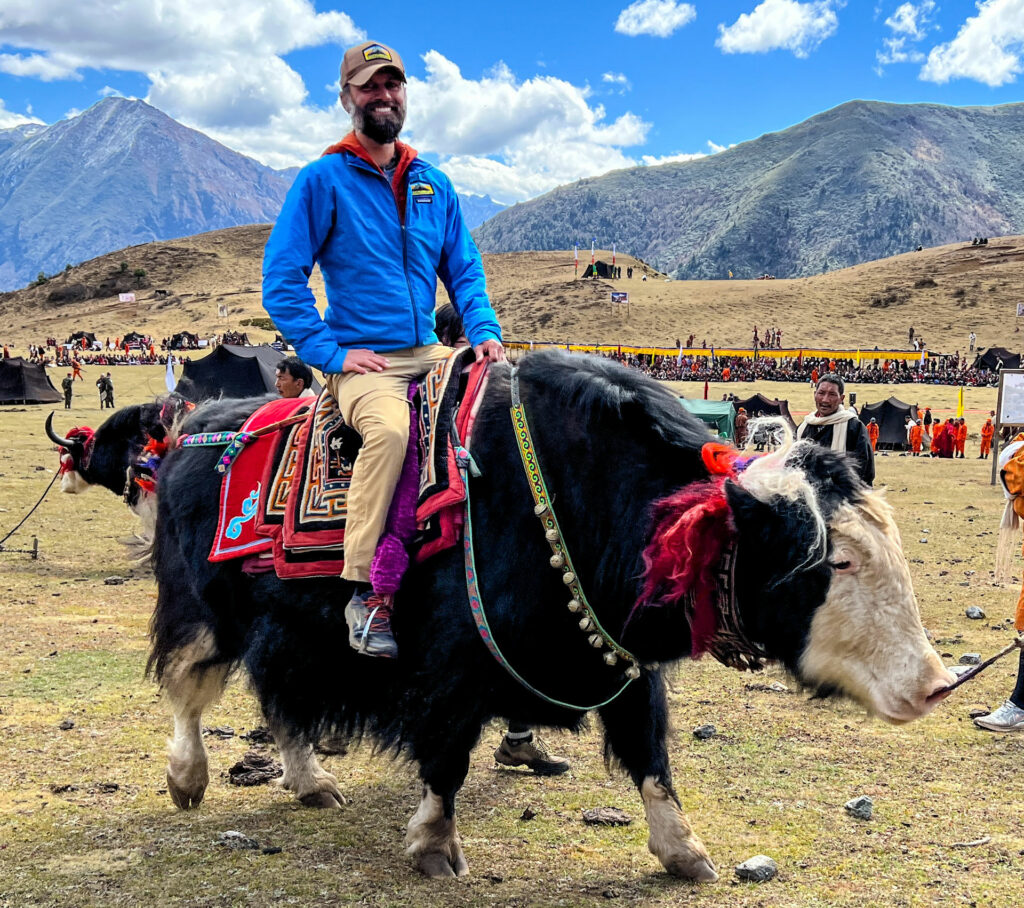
284	498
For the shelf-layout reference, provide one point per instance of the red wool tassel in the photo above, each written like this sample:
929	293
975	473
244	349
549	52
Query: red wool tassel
692	529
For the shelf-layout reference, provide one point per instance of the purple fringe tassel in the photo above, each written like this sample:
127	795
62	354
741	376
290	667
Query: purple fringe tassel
392	557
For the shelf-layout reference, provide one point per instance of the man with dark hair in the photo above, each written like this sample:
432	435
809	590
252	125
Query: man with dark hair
384	225
108	397
832	425
67	386
294	378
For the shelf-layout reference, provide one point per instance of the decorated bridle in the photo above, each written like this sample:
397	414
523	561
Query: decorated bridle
706	585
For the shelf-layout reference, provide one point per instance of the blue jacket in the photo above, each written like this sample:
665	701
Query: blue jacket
380	273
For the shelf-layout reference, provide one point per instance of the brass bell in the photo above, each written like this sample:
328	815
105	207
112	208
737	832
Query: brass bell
575	605
633	672
586	624
557	560
610	658
539	509
551	535
596	641
568	578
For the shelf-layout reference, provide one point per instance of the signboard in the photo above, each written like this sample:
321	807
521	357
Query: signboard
1020	310
126	297
222	311
619	296
1010	410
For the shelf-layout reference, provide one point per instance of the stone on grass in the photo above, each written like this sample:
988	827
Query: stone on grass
860	807
67	725
606	816
970	659
232	838
758	869
114	581
974	612
703	732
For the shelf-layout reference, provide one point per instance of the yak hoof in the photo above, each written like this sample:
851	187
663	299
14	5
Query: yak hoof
185	798
698	869
323	800
438	865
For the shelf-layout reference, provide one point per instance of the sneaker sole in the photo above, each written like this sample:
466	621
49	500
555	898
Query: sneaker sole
551	770
1003	728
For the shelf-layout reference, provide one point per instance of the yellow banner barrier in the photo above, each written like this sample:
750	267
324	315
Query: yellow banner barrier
748	353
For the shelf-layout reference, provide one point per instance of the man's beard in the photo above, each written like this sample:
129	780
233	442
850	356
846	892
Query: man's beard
382	123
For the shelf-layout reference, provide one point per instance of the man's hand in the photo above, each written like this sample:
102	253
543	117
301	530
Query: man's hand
362	361
490	349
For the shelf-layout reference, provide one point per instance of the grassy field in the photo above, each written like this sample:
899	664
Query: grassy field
85	819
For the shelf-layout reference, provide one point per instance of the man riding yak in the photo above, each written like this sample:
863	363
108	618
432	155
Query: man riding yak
383	225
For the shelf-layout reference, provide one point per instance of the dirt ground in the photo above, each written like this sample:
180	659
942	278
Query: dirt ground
85	819
943	292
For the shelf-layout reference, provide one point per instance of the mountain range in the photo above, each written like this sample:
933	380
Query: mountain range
123	173
862	181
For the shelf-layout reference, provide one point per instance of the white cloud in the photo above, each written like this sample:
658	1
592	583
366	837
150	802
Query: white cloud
988	48
617	79
204	57
10	119
654	160
911	19
780	25
513	139
909	23
654	17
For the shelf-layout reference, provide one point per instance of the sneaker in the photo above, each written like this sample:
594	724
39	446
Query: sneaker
369	625
1008	717
532	753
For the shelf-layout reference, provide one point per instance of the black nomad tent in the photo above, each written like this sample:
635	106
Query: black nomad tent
602	269
76	338
994	356
183	340
759	405
231	372
22	382
891	416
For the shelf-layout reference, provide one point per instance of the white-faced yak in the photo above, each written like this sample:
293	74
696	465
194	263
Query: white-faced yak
678	548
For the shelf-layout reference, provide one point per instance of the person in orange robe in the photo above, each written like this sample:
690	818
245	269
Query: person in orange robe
961	436
927	422
916	434
76	367
726	373
987	431
873	433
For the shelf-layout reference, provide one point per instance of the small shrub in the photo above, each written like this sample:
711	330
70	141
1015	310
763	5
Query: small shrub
922	282
124	267
959	293
263	322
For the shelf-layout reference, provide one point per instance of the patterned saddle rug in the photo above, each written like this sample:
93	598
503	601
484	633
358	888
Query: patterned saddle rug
285	497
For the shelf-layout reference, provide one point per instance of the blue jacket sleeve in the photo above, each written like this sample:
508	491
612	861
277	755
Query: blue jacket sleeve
303	225
462	273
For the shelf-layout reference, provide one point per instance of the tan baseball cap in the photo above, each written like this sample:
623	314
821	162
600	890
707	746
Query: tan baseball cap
361	62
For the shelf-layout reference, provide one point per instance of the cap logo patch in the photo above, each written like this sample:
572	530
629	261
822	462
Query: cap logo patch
376	52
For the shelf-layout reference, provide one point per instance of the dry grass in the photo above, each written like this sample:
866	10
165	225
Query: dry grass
944	293
773	781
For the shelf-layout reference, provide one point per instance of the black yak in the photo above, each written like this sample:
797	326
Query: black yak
820	585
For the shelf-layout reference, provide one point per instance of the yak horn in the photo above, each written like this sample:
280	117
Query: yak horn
54	437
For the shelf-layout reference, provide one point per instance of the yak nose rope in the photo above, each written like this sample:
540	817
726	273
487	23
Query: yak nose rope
35	550
974	671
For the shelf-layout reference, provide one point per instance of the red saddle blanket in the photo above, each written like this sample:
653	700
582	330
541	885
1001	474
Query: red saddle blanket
285	496
243	487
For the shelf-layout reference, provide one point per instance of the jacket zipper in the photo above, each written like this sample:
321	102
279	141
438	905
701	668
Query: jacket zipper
405	254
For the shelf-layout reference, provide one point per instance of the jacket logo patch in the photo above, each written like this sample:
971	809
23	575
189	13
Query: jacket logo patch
422	192
376	52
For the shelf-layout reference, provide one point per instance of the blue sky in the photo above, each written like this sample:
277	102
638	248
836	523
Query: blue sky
511	99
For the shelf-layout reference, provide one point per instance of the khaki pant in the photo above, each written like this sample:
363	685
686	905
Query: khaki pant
376	405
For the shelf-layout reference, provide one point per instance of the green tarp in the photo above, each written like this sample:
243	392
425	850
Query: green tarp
720	415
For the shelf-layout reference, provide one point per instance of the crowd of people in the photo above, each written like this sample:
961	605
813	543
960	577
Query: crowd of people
944	370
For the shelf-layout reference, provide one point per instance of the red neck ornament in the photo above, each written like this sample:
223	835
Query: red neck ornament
693	531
